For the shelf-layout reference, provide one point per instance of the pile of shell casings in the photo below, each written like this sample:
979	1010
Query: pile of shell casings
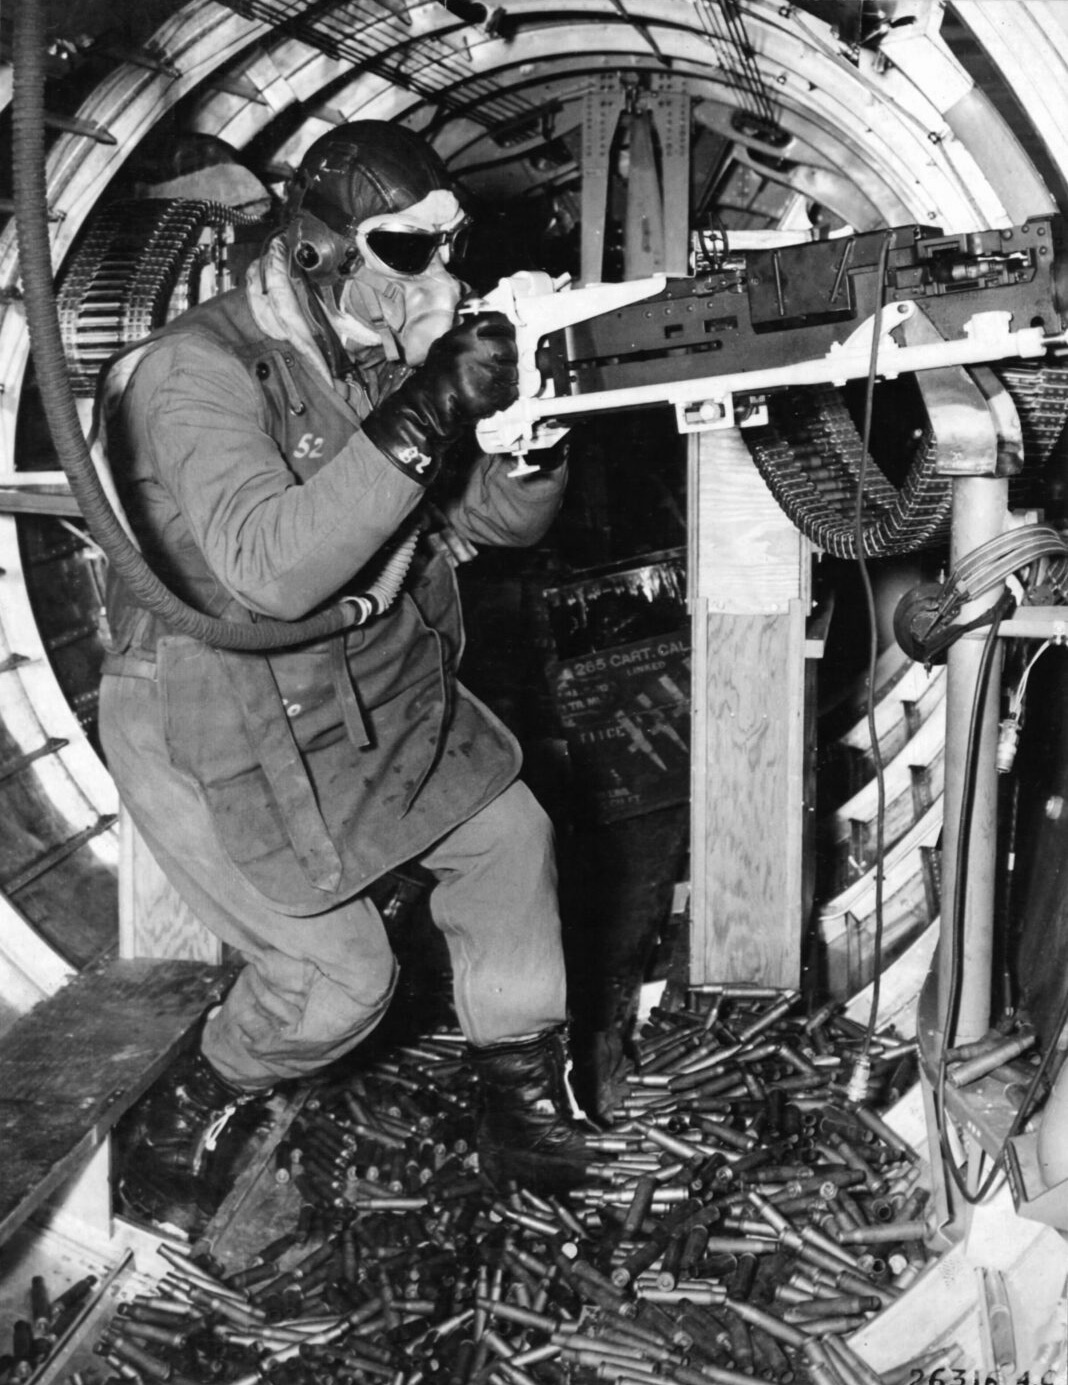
738	1220
34	1337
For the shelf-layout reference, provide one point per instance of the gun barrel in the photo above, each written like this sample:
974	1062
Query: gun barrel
834	368
707	402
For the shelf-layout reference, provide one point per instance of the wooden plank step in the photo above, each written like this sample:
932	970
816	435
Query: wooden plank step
78	1060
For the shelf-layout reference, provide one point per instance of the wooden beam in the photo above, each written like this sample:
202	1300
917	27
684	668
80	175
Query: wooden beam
750	596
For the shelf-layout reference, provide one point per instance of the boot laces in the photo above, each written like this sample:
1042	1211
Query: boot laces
210	1138
577	1112
546	1105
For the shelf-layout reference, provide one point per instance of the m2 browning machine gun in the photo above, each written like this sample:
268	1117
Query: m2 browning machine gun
713	345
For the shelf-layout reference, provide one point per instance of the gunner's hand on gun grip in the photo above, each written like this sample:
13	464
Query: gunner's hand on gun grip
470	373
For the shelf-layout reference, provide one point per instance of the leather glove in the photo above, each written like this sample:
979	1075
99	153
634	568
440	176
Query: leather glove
469	373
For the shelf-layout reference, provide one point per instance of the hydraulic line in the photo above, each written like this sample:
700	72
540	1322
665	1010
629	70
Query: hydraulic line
31	216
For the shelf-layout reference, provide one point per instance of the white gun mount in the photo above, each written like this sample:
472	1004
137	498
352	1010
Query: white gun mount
795	315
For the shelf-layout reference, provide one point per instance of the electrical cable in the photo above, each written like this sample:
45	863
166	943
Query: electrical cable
993	562
736	56
956	934
957	920
1022	546
1016	697
35	257
1005	603
858	1082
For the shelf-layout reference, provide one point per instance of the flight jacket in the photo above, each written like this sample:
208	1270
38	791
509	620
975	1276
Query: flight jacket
244	474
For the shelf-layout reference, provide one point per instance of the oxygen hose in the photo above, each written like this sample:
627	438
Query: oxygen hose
35	259
382	593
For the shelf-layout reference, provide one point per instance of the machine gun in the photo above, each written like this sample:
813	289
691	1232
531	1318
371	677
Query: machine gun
714	344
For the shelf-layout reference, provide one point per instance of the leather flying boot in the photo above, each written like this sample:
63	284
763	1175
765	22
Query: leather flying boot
179	1146
530	1127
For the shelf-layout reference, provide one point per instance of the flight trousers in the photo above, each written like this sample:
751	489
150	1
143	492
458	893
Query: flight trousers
313	986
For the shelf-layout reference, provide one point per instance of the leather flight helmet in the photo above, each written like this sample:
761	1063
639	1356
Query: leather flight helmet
364	169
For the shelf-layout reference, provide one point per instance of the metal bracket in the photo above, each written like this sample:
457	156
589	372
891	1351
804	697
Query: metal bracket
968	440
1030	1195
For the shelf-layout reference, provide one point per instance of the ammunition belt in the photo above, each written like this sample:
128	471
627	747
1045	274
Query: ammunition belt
1040	393
810	456
139	265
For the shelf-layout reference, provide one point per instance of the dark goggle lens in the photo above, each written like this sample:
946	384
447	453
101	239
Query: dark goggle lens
408	252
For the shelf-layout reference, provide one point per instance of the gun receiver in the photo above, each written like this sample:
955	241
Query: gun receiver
714	344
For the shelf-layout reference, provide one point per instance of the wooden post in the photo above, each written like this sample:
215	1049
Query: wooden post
153	919
749	589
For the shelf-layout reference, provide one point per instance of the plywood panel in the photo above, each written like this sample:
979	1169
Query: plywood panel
751	849
153	919
750	595
746	556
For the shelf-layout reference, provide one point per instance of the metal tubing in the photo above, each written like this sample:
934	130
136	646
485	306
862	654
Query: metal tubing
961	1074
979	510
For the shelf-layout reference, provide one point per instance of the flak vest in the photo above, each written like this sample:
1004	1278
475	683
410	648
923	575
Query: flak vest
325	766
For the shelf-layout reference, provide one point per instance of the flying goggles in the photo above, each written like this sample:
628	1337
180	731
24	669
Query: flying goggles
407	251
